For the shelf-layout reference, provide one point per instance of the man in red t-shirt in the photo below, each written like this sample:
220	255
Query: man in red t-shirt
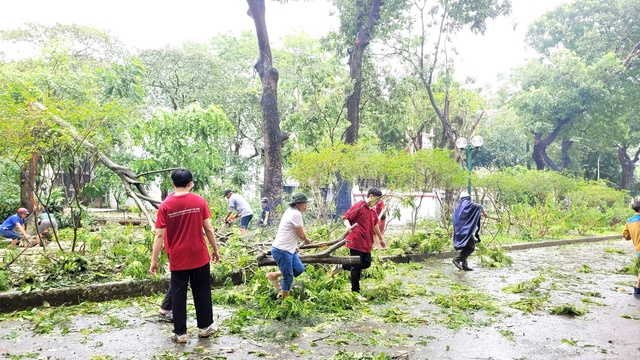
182	217
360	239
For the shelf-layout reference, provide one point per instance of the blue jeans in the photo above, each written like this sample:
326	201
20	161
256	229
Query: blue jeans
289	264
10	234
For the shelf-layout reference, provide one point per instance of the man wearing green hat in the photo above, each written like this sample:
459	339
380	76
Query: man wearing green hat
285	246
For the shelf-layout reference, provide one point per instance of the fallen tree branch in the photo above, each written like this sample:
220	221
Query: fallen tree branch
322	257
126	174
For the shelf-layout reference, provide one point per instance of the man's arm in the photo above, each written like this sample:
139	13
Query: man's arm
626	234
211	236
21	228
302	235
378	233
266	218
157	247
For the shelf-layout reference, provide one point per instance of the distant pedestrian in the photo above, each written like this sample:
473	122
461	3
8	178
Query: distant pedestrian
632	232
265	216
360	239
240	206
466	229
13	223
182	218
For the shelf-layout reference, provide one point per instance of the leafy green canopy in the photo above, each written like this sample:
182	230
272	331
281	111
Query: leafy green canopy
188	138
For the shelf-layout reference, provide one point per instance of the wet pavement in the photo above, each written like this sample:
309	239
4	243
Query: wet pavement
416	327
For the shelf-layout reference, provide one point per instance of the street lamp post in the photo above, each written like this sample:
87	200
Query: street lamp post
476	142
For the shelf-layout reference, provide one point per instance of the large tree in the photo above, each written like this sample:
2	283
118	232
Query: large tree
596	30
272	134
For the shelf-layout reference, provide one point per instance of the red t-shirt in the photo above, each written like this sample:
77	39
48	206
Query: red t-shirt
361	238
379	207
183	216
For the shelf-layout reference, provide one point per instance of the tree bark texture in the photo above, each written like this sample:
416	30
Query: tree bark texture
272	134
355	71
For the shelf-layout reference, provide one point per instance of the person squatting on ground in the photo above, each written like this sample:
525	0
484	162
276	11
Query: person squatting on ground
238	204
360	239
182	218
47	225
285	246
15	221
632	232
466	229
265	218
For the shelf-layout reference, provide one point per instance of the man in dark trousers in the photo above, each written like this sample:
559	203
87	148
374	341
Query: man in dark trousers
466	229
360	239
182	218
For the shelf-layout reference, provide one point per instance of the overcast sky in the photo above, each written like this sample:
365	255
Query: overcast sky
151	24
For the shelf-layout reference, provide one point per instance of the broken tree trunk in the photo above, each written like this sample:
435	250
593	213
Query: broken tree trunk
129	179
323	257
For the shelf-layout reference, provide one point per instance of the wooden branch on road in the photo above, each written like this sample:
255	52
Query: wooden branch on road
322	257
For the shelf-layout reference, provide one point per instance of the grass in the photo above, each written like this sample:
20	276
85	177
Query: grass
568	310
524	286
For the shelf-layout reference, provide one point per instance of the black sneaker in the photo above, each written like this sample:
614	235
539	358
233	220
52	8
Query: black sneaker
167	317
466	268
458	264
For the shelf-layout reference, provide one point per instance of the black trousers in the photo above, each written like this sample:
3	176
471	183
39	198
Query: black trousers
465	252
200	280
356	270
167	303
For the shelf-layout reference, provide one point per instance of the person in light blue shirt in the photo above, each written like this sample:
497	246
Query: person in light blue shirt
241	207
13	223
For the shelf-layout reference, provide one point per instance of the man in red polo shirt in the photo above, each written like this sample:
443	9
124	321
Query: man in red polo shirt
182	217
360	239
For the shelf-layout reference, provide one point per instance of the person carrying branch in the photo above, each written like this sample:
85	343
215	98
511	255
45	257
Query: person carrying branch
285	246
632	232
466	229
360	239
13	222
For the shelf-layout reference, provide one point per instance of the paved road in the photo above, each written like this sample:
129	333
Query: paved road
417	328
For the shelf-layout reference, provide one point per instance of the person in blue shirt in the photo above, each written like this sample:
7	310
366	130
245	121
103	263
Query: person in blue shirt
265	218
13	222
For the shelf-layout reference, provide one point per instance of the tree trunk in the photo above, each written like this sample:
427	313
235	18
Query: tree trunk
356	56
272	135
566	146
628	166
27	183
540	146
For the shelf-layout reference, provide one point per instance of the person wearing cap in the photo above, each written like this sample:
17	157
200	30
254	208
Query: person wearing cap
13	222
241	207
360	239
265	219
466	229
285	246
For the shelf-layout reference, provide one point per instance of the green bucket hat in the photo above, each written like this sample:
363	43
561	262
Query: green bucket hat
298	198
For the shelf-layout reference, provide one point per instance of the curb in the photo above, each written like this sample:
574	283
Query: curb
522	246
16	300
